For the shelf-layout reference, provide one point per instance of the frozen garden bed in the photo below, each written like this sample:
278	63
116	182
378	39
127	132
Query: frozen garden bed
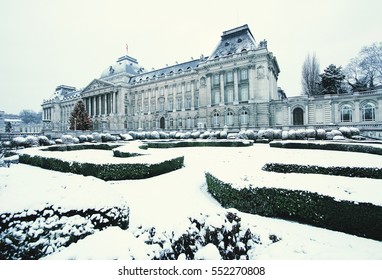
80	159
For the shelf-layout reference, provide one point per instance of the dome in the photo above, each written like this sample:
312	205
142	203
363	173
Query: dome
124	65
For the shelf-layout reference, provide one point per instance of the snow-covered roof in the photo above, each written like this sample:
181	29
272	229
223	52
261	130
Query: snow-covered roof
124	65
233	41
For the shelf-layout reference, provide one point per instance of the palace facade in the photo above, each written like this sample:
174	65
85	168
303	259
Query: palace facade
234	88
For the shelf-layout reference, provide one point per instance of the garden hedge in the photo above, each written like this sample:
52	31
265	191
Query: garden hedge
361	172
335	146
216	143
33	234
358	218
106	171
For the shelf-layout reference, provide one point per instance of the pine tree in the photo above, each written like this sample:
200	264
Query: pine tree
331	80
79	118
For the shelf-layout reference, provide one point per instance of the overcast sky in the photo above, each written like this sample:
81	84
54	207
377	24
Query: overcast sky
45	43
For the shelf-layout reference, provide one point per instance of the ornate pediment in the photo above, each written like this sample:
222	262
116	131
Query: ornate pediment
97	84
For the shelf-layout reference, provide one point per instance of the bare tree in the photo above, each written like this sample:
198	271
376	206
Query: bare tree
365	71
310	79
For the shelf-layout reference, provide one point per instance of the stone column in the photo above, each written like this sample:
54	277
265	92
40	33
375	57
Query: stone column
115	98
251	84
94	106
208	90
235	87
99	105
222	99
192	94
183	88
356	117
306	121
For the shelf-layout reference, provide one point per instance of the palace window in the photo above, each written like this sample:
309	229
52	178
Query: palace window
179	103
216	79
188	122
346	113
230	118
229	95
216	97
368	112
161	104
244	74
244	117
170	103
216	119
188	87
244	94
196	101
146	106
188	103
171	123
229	77
153	106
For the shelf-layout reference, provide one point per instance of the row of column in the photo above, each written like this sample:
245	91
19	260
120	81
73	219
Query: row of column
222	100
47	113
102	104
153	101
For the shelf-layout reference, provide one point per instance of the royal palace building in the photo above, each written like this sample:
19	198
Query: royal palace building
234	88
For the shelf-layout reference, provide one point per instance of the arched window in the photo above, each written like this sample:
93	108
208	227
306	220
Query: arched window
346	113
244	117
230	118
216	119
368	112
298	116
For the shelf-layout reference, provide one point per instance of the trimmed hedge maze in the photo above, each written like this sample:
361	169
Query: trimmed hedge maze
333	146
33	234
361	172
361	219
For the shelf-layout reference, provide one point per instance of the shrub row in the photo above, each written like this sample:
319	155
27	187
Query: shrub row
361	219
107	172
216	143
360	148
35	234
361	172
78	147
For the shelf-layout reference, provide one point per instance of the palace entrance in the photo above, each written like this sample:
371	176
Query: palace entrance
298	116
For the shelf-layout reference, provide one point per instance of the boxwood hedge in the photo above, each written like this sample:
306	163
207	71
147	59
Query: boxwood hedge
362	172
216	143
106	171
360	148
361	219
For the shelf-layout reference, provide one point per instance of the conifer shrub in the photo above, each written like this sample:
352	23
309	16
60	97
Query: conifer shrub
321	134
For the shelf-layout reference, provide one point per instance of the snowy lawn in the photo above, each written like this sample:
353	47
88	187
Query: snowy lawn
166	201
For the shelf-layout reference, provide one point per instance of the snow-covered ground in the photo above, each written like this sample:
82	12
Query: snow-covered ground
165	202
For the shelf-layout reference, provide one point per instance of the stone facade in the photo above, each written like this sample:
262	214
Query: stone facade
234	88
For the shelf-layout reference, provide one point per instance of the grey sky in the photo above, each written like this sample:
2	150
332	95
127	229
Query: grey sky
45	43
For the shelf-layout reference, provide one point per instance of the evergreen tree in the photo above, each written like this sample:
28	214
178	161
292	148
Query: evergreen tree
331	80
8	127
79	118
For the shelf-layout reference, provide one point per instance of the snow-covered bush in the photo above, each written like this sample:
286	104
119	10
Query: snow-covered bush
223	134
32	141
89	138
82	138
133	134
186	135
292	134
336	132
43	140
354	131
205	135
19	142
195	134
345	132
310	133
250	134
96	137
277	134
329	135
284	135
320	134
154	135
300	134
76	140
163	135
126	137
242	135
213	237
32	234
231	135
58	141
173	134
67	139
